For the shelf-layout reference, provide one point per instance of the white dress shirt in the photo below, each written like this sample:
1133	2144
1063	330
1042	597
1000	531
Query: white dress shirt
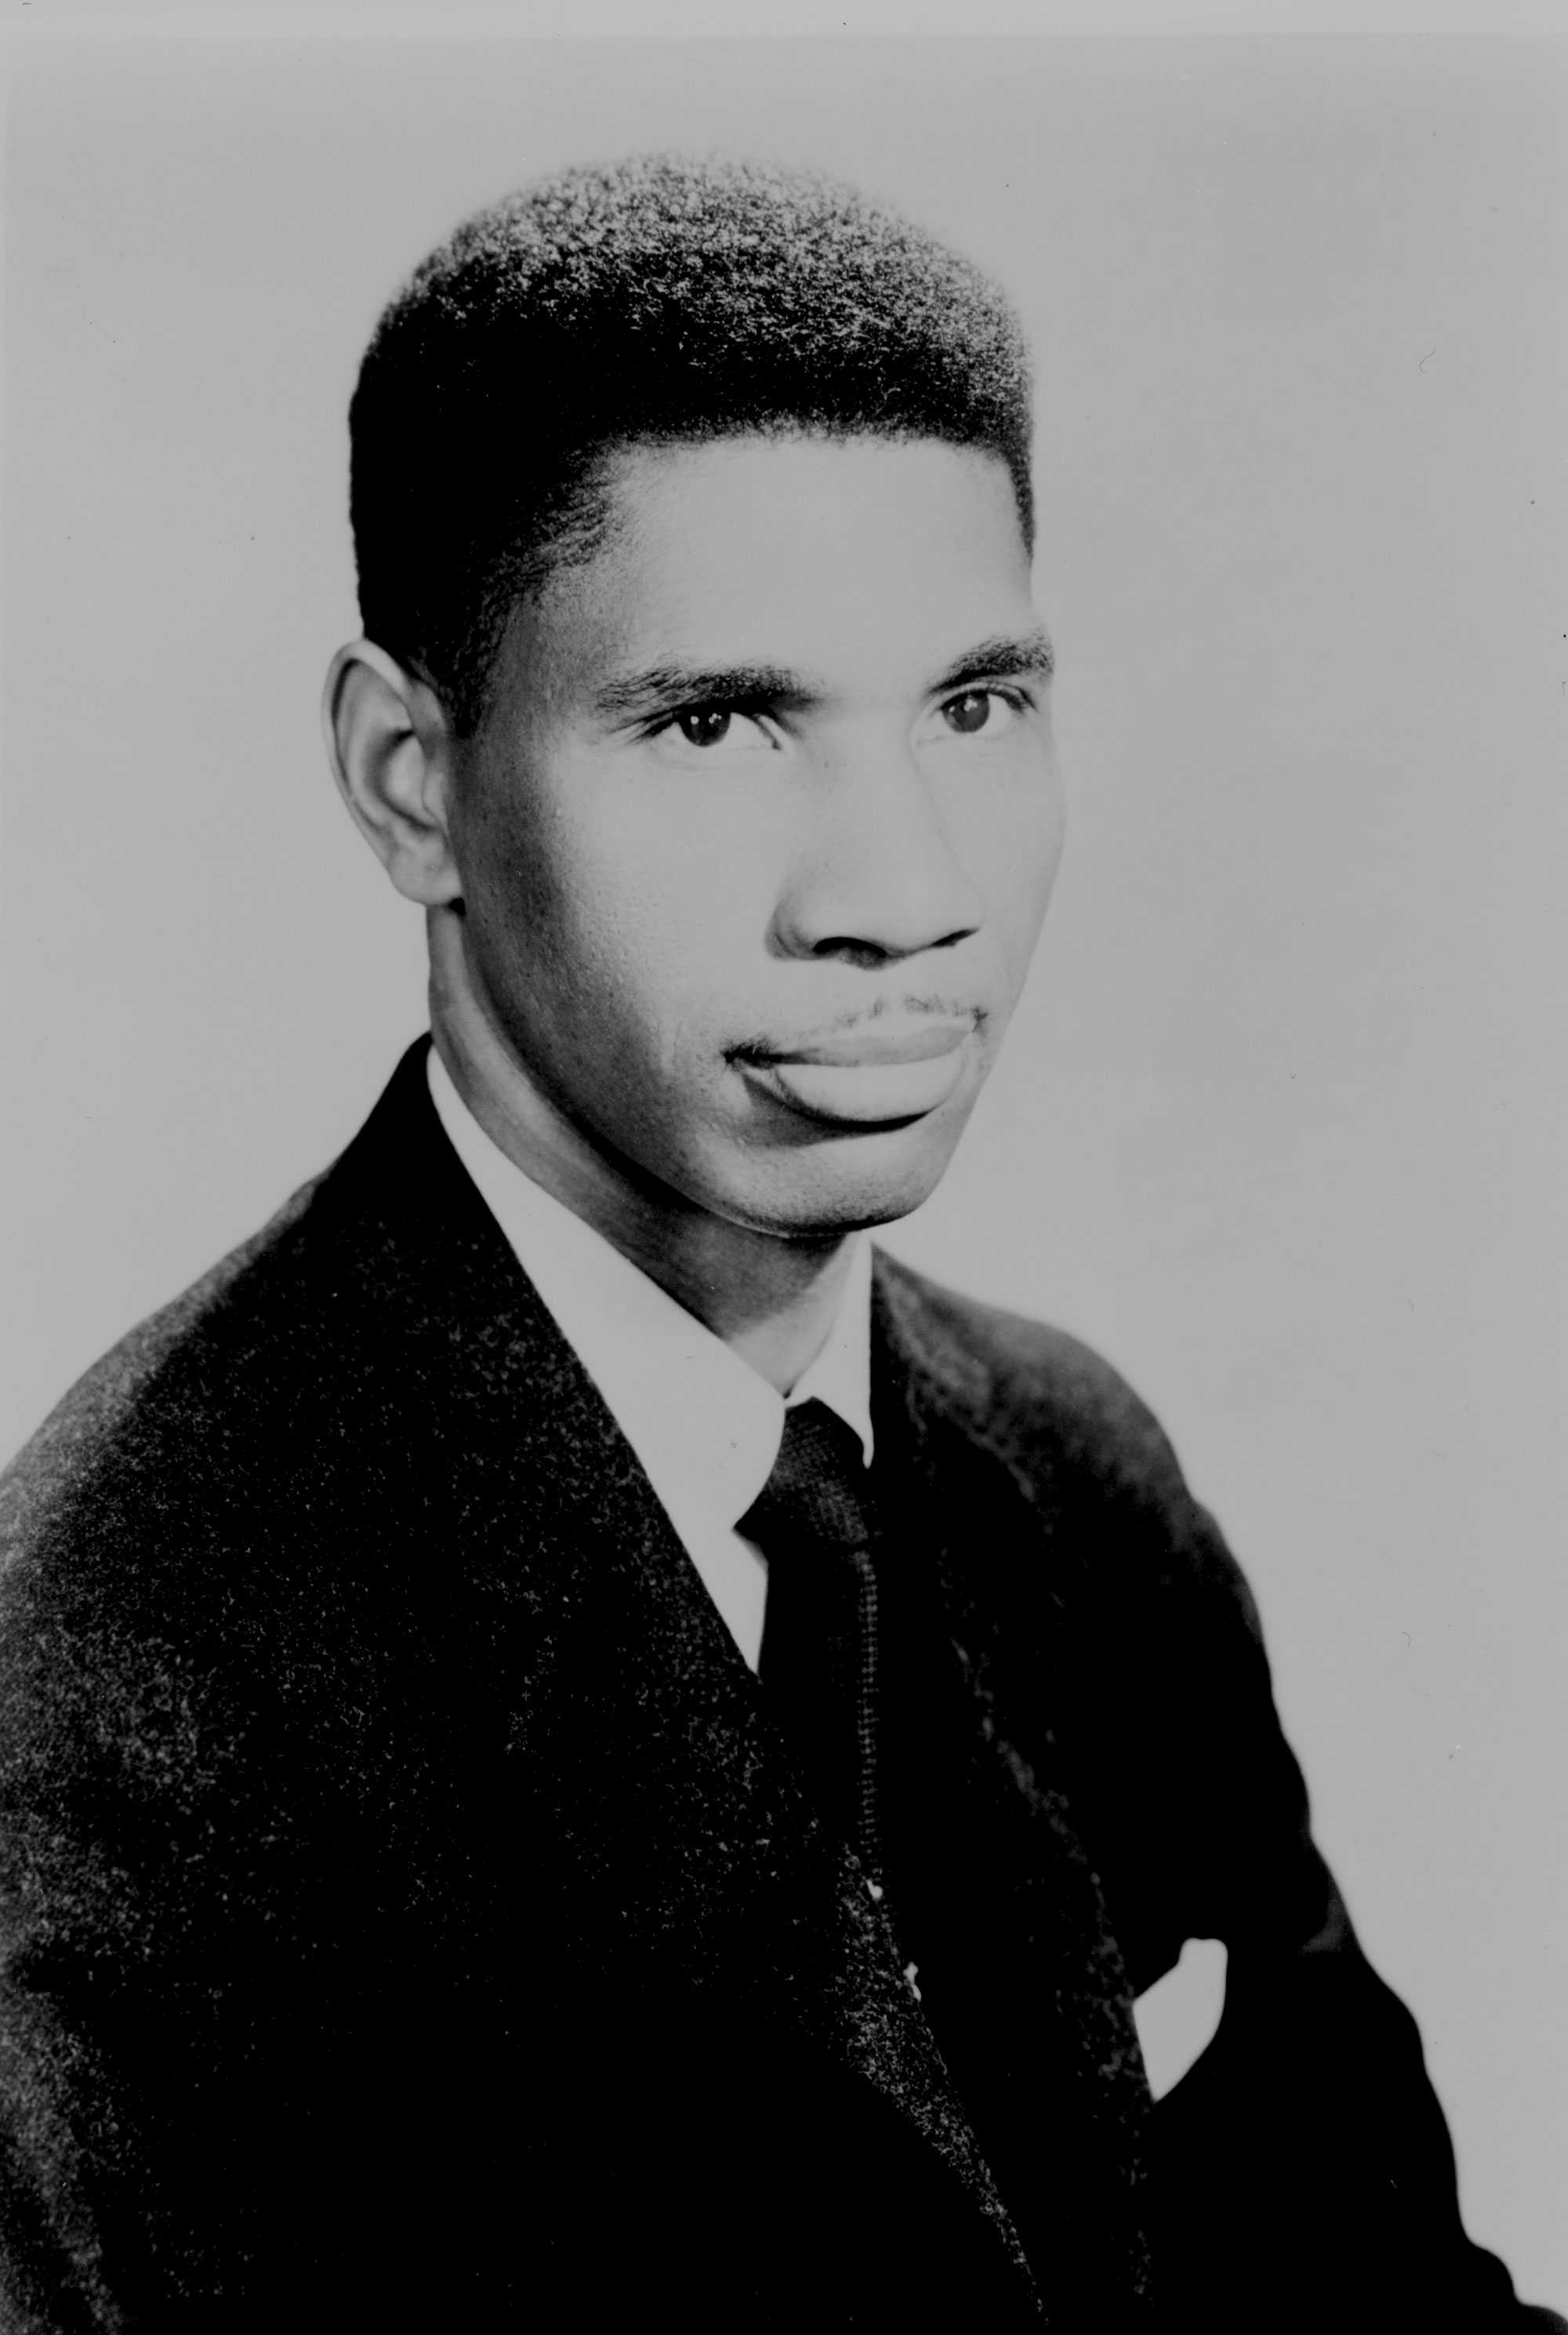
705	1426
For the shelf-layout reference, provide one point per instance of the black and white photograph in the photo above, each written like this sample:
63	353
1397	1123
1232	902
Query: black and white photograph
782	1478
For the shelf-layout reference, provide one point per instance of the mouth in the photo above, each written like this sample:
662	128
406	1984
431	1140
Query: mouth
880	1073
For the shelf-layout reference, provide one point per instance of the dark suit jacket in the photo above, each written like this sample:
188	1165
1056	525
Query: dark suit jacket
412	1917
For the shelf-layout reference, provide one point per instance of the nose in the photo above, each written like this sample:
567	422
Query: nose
874	878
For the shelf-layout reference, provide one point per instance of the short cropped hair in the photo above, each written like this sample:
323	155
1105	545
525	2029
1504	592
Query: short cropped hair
658	301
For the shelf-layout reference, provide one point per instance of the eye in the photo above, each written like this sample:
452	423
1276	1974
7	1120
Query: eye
704	725
974	710
710	728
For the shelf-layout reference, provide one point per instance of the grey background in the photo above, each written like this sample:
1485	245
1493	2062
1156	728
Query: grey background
1281	1125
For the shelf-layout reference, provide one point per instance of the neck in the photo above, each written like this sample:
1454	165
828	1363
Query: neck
773	1301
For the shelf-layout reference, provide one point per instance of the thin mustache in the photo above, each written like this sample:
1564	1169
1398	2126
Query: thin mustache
942	1009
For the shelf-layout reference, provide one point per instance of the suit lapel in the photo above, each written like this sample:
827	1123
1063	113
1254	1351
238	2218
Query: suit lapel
1026	1988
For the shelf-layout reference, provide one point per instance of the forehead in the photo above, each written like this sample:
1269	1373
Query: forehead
847	560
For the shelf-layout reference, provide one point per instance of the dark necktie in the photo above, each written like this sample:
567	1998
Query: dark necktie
813	1522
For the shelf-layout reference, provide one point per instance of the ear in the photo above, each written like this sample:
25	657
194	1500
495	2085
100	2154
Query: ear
391	748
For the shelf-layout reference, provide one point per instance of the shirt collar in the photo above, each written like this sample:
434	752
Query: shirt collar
705	1424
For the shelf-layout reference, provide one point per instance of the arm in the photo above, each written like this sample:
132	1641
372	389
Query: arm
1301	2174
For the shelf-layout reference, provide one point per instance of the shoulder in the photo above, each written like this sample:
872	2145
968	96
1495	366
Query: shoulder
1032	1393
1117	1532
131	1652
147	1375
221	1372
173	1536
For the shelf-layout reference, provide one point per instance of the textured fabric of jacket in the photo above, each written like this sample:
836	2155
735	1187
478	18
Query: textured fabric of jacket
410	1916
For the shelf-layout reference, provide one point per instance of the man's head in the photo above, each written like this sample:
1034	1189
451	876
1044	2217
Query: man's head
654	302
706	709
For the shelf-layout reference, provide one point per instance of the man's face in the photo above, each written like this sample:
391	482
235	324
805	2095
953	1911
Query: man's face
756	838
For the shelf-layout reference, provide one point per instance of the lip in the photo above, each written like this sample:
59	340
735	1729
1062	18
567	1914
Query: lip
924	1038
876	1075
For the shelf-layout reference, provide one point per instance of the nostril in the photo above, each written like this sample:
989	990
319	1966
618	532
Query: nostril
865	955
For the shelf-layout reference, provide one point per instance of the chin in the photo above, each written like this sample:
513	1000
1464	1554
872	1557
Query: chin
848	1184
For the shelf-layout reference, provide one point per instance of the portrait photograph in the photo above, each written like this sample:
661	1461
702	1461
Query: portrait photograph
858	542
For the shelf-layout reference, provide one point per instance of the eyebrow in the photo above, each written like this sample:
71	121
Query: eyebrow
662	687
1008	657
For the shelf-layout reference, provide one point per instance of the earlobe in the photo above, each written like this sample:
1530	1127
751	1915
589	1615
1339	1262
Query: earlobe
389	742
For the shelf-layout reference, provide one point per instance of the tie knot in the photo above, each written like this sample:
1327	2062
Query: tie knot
818	1490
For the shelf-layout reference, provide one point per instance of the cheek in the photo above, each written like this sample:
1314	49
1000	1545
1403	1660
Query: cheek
1051	839
1023	853
621	956
669	902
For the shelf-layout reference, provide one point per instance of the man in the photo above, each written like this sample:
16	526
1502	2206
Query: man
580	1751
